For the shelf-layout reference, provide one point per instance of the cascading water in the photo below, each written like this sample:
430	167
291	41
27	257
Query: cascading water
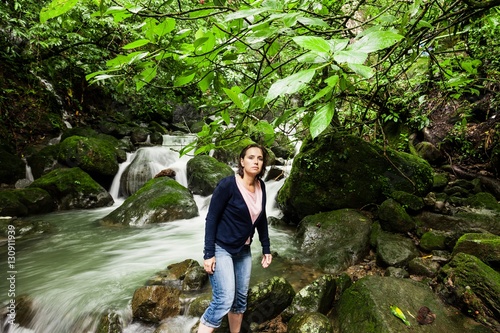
83	269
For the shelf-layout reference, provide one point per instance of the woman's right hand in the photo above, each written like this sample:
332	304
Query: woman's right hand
209	265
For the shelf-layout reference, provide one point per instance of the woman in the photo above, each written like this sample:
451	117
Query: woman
237	208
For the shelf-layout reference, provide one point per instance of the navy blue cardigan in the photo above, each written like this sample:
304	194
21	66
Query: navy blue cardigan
228	221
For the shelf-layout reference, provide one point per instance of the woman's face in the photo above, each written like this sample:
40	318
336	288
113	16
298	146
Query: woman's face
253	161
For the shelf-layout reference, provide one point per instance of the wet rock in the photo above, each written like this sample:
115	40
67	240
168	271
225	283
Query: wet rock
73	189
110	322
472	285
395	250
336	239
159	200
152	304
267	300
310	322
484	246
423	266
336	171
397	272
318	296
204	172
394	218
365	307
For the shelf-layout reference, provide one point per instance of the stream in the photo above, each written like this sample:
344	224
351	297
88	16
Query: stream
83	269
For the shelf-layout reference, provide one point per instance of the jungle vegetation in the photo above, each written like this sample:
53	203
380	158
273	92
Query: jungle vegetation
267	66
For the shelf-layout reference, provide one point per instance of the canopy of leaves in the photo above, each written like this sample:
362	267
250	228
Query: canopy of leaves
295	66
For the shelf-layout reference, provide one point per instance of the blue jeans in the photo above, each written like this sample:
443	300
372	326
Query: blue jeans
230	283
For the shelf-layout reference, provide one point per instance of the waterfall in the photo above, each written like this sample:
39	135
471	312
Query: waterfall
83	270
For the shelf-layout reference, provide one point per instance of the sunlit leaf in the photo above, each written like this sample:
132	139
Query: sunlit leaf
322	119
183	80
312	43
266	131
352	57
364	71
136	44
56	8
233	95
166	26
376	40
245	13
290	84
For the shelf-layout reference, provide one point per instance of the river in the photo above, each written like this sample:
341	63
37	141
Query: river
83	269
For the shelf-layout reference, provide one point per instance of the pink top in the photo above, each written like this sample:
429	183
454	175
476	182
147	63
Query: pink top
252	199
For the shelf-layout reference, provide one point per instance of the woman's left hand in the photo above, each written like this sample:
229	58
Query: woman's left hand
266	260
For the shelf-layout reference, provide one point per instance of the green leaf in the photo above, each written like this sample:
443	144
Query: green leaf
225	116
165	27
136	44
183	80
322	119
376	40
145	77
206	82
245	13
309	21
56	8
319	94
351	57
290	84
233	94
364	71
266	131
312	43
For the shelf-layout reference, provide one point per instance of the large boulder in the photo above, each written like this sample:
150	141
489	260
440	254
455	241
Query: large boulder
460	223
27	201
473	286
484	246
159	200
73	189
335	240
365	307
337	171
96	156
316	297
204	172
267	300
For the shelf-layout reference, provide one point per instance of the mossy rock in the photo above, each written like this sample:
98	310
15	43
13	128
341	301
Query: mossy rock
204	172
483	200
44	160
72	189
337	171
484	246
158	200
310	322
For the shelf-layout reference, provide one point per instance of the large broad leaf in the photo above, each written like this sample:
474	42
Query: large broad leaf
351	57
145	77
364	71
245	13
312	43
290	84
56	8
266	131
233	94
183	80
165	27
136	44
322	119
376	40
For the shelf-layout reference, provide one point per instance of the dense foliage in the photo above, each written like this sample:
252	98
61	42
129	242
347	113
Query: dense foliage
256	67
